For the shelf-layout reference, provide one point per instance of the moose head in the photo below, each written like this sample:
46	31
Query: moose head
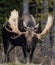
29	24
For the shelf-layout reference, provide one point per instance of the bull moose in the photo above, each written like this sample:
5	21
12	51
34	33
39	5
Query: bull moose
22	33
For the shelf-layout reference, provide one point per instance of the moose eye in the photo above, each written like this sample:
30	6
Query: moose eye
25	27
35	29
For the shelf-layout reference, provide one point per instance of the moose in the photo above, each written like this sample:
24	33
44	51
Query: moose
23	33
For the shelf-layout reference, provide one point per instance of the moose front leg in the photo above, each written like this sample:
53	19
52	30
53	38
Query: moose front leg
25	54
32	51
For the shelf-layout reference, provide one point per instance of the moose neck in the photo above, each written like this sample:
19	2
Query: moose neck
25	7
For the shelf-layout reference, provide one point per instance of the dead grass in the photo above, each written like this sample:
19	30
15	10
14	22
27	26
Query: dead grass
18	64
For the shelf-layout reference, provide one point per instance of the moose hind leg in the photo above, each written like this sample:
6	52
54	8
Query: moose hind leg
8	51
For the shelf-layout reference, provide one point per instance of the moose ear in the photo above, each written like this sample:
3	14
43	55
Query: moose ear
36	27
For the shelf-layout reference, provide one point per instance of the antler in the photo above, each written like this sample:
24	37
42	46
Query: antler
13	21
18	35
47	27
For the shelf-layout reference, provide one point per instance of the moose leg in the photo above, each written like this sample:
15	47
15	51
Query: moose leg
25	54
5	45
5	51
10	47
31	54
